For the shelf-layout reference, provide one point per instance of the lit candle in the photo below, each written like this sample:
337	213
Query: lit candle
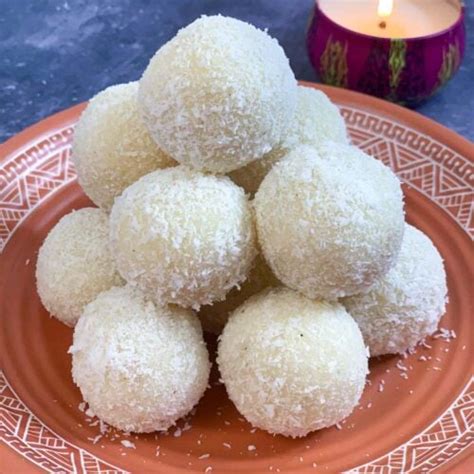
401	50
403	18
384	10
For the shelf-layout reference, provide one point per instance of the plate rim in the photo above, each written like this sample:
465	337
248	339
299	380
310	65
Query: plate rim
454	140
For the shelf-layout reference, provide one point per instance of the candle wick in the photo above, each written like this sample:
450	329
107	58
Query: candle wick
383	24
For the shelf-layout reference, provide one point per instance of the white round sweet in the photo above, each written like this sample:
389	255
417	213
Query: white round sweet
316	121
329	223
183	237
140	367
405	305
75	264
292	365
112	147
214	317
218	95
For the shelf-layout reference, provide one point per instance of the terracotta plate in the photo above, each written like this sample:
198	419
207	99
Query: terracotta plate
416	413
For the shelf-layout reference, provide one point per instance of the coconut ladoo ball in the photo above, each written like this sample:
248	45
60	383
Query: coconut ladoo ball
292	365
316	121
139	366
329	223
405	305
75	264
214	317
220	94
183	237
112	147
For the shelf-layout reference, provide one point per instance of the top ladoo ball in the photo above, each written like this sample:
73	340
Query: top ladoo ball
218	95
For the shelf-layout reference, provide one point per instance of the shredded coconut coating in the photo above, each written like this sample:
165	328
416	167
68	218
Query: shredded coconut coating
75	264
214	317
406	304
183	237
292	365
218	95
329	224
112	147
316	121
139	366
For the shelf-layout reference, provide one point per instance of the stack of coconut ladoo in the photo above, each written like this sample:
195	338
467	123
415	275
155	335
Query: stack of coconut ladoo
230	197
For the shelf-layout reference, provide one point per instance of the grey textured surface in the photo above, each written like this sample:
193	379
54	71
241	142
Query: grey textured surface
54	54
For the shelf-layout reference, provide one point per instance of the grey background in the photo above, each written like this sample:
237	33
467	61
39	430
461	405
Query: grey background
54	53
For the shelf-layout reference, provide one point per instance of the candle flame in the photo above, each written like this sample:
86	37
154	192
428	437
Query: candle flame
385	8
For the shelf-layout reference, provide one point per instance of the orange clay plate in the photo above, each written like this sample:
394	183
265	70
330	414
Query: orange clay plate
416	414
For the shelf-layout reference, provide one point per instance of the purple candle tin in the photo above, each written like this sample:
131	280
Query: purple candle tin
404	70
